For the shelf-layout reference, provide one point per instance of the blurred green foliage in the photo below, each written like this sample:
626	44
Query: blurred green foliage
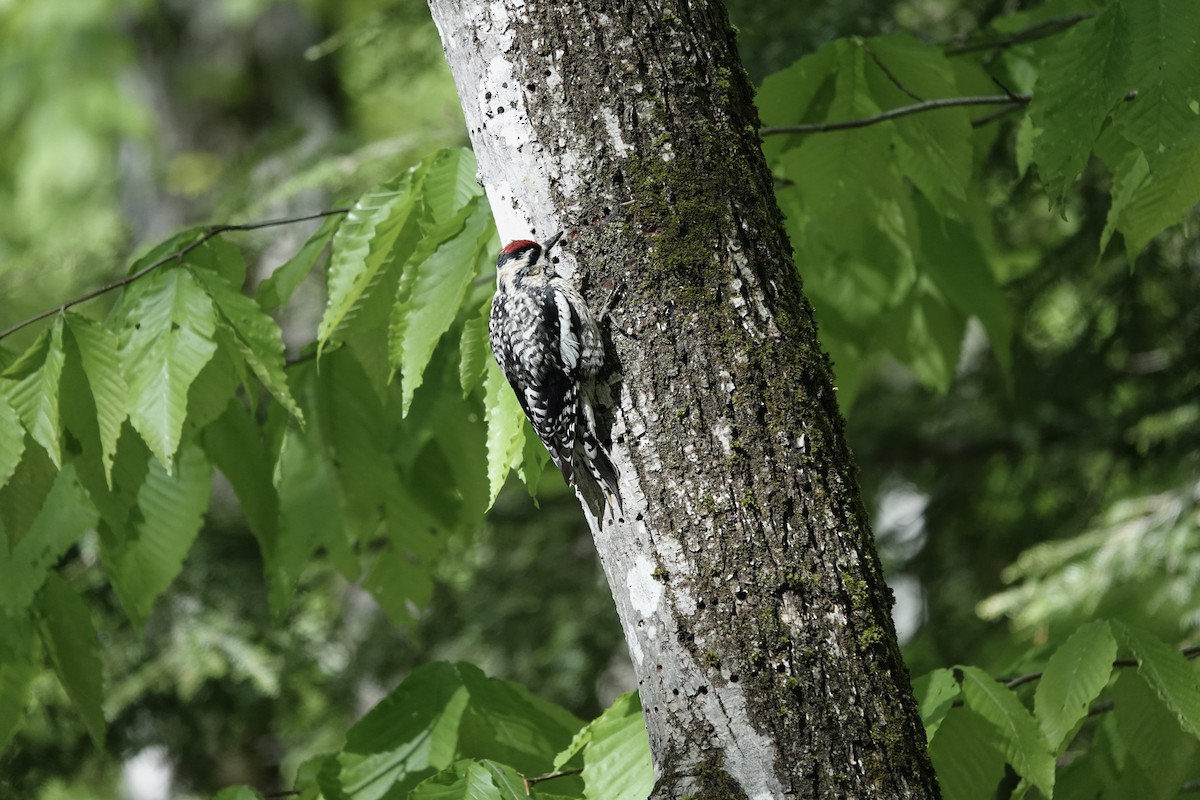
1027	390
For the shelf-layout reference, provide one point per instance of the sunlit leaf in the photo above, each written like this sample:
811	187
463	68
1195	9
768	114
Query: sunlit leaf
258	337
1073	678
69	638
238	793
450	183
1173	677
616	762
936	693
362	246
166	341
1157	756
506	427
12	440
473	350
31	387
1162	199
1019	736
431	290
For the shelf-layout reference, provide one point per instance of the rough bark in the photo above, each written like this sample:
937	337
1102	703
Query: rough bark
743	571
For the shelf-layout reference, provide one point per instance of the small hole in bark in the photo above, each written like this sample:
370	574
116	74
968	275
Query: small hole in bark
740	594
500	110
700	604
531	87
658	668
733	677
607	210
675	692
703	690
504	85
639	517
780	668
549	73
487	95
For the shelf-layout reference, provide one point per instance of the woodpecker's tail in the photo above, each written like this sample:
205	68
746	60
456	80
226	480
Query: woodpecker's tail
597	460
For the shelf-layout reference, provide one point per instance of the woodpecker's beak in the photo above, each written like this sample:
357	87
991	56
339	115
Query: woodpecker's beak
553	240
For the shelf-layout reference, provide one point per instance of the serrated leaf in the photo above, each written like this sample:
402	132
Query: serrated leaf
67	633
450	182
362	246
308	515
797	94
534	458
1128	177
463	780
258	337
166	341
473	350
935	692
505	429
1159	201
431	290
953	257
98	353
1156	755
441	714
967	763
12	440
18	668
31	386
278	289
1082	79
222	257
171	512
235	445
1073	678
616	762
1165	117
933	149
1174	679
65	515
1021	739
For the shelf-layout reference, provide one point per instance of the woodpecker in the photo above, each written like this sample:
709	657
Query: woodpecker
548	345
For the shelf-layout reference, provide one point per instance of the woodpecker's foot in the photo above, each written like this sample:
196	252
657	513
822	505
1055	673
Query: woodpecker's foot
610	303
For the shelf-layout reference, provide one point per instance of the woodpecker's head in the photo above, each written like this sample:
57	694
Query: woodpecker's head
522	256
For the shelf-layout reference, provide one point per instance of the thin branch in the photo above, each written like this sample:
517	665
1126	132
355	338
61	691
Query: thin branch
1012	101
1041	30
177	255
1021	680
891	76
562	773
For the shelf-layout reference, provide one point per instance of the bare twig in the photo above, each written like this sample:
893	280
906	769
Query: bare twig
891	76
176	255
562	773
1012	101
1041	30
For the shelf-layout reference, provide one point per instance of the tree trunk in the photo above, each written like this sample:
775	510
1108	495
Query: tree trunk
743	571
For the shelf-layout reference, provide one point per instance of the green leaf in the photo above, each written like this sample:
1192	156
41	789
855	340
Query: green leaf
167	339
99	358
234	443
932	149
69	638
1073	678
505	427
31	386
363	245
238	793
968	766
1173	677
936	692
797	94
955	260
1020	738
450	183
926	334
1165	117
18	668
12	440
1080	82
1156	755
616	762
278	289
1162	199
440	714
65	515
431	290
465	780
473	350
258	337
308	515
1128	176
171	510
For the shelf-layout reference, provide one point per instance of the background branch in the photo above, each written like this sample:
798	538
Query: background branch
215	230
1041	30
1010	100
